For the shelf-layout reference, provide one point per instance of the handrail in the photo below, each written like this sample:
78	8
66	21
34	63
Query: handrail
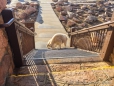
93	28
12	20
7	24
25	29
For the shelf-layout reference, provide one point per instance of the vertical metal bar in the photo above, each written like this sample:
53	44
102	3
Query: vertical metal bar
97	40
108	45
100	40
71	39
90	41
12	38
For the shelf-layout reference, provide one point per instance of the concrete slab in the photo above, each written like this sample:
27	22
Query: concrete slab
63	55
59	28
47	14
51	20
47	7
45	26
40	44
47	11
44	39
40	30
46	34
53	24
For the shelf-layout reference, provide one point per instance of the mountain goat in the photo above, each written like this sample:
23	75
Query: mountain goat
57	40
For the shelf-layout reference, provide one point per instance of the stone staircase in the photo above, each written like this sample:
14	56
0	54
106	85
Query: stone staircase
65	67
67	74
42	67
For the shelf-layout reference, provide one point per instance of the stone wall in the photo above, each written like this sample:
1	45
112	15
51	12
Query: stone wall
6	61
2	4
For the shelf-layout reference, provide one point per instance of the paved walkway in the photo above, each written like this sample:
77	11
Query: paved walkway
47	24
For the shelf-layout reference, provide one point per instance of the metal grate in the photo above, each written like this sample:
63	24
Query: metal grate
39	57
68	53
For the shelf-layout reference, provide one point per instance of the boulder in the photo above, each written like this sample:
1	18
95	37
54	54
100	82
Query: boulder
63	13
70	23
76	20
22	15
29	10
59	8
69	8
90	19
19	5
62	18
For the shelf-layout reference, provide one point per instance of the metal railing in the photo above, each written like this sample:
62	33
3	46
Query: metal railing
7	24
26	37
20	38
93	38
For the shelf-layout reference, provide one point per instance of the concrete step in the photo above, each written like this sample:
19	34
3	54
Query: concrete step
68	55
61	67
61	60
63	74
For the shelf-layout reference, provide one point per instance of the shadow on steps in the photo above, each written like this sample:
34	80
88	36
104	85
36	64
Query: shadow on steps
68	55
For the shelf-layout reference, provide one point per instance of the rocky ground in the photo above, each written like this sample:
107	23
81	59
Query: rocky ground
77	15
25	12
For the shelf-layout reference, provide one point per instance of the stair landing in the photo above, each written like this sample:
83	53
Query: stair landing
69	55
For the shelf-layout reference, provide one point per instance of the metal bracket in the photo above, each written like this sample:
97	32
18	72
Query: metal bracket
110	28
7	24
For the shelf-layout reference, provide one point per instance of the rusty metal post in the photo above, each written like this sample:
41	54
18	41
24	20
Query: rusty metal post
108	43
71	38
30	25
13	40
